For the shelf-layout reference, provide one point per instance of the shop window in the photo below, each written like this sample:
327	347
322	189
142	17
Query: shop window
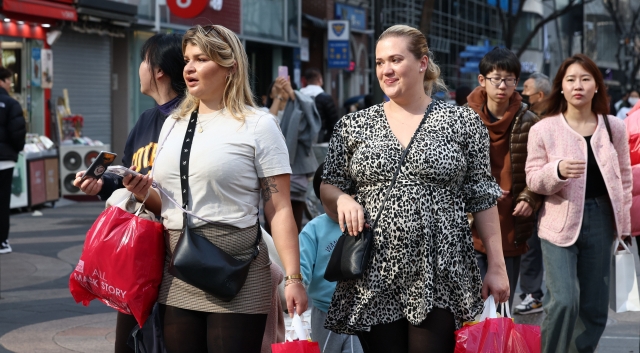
264	18
524	27
293	14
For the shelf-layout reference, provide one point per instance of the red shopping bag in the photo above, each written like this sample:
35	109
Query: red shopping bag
121	263
295	347
497	335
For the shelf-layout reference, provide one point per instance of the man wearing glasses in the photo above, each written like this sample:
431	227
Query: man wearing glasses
508	120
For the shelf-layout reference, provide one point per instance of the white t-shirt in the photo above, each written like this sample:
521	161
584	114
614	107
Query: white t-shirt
226	160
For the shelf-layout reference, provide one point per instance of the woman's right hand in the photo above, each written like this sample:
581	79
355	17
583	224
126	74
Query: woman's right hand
571	168
89	186
138	185
351	214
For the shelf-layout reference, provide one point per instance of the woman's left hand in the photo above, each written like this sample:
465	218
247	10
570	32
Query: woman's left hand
496	283
139	185
296	298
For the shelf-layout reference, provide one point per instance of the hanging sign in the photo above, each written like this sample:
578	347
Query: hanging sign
187	8
46	59
36	67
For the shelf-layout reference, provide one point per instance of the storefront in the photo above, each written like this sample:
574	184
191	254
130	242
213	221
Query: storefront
25	37
268	43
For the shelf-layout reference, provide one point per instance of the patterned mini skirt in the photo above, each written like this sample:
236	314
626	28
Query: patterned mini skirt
255	295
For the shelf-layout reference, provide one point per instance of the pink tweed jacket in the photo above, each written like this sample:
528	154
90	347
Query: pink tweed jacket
552	140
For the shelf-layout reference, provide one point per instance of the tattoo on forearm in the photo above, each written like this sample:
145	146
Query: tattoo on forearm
268	187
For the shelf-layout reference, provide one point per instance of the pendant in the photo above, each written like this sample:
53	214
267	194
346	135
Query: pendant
200	129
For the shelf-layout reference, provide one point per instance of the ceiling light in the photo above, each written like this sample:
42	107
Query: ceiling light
20	22
46	25
7	20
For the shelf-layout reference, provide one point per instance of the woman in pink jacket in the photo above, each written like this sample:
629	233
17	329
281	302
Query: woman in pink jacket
579	158
633	129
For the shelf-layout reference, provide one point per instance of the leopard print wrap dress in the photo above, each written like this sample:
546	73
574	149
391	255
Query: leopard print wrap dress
423	254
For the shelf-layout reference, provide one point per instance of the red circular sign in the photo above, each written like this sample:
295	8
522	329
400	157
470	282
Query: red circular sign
187	8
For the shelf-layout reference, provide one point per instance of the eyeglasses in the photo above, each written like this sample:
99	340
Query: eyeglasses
497	81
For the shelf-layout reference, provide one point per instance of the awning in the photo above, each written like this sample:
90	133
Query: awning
40	8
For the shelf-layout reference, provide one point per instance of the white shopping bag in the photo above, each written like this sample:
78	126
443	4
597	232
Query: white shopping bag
623	289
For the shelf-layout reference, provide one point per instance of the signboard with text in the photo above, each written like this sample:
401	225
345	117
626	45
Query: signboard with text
357	16
338	35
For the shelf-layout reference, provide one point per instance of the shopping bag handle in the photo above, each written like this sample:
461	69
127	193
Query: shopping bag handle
503	312
301	330
490	310
618	242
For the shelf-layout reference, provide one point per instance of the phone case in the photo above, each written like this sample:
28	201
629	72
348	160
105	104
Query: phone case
283	71
99	165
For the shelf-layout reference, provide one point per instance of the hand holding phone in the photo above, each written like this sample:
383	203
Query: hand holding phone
121	171
99	165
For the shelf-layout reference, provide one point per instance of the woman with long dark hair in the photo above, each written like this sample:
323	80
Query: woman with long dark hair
578	156
160	78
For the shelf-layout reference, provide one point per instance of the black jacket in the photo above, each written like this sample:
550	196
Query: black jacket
13	127
139	150
328	114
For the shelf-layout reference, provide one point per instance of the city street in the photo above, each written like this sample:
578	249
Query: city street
37	313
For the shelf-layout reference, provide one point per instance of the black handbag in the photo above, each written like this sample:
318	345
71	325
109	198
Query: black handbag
196	260
351	255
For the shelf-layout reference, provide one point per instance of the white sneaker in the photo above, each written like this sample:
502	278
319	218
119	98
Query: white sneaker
5	248
529	305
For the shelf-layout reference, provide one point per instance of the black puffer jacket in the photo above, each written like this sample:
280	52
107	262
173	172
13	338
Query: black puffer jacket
12	127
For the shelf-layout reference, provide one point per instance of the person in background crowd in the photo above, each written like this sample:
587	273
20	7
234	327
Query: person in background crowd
632	123
461	95
13	130
508	120
422	280
536	88
324	103
161	79
237	153
579	159
317	241
629	103
617	105
300	123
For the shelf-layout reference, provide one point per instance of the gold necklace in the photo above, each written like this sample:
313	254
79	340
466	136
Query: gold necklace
201	124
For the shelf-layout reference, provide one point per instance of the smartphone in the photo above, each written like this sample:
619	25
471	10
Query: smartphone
99	165
121	171
283	72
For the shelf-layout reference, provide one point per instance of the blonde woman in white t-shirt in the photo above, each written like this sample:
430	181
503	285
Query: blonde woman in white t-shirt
237	154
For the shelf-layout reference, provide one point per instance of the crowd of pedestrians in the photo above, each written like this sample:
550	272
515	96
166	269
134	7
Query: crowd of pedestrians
464	201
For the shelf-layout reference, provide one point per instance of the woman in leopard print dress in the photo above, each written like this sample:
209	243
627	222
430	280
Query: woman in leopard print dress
422	280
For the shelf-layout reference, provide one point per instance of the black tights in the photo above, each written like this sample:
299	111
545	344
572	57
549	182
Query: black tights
124	325
201	332
433	335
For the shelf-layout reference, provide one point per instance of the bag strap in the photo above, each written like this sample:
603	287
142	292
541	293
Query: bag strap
404	155
184	177
606	125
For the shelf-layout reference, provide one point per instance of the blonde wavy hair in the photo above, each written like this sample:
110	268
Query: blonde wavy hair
418	47
223	47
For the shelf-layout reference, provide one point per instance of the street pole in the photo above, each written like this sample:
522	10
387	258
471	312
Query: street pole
377	31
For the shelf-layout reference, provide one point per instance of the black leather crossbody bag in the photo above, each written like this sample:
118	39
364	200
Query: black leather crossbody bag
351	255
196	260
